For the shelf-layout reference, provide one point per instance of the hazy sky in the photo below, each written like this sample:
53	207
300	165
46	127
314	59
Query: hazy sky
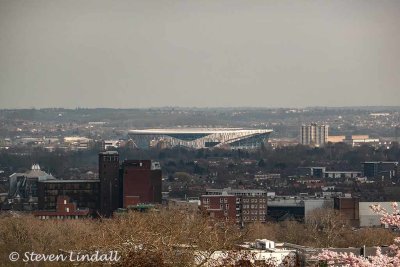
204	53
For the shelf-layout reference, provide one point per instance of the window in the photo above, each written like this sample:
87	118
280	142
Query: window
226	206
67	209
221	200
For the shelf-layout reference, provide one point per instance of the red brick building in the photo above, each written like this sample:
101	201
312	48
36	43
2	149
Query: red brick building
244	205
253	208
141	182
109	182
220	206
349	209
65	209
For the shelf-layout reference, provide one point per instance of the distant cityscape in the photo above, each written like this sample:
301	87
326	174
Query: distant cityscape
248	167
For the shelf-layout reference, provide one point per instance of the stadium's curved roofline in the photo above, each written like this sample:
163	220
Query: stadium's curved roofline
200	137
198	131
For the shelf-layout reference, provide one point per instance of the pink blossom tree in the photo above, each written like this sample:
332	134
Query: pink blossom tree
392	219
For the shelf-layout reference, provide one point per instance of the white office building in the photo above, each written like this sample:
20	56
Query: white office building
314	134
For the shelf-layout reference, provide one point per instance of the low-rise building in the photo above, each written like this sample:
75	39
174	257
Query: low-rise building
348	208
379	169
281	208
65	209
263	252
187	206
321	172
369	218
85	193
23	188
241	205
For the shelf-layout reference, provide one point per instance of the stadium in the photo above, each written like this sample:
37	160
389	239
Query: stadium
197	138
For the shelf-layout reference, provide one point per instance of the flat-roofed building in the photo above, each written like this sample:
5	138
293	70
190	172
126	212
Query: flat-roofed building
110	183
314	134
369	218
141	182
250	204
321	172
358	140
379	169
348	207
65	209
282	208
336	138
220	206
85	193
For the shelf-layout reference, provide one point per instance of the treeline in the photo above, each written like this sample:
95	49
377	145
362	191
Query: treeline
284	160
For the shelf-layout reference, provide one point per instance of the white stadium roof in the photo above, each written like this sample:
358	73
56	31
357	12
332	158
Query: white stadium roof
198	131
200	137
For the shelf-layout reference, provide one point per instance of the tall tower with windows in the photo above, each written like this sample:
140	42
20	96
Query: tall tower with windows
109	182
314	134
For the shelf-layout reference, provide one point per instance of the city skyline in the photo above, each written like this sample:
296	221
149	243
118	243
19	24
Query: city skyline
140	54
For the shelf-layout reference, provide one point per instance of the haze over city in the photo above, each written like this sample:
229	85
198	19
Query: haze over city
129	54
205	133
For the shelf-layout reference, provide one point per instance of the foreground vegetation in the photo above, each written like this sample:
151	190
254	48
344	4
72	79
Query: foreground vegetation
170	238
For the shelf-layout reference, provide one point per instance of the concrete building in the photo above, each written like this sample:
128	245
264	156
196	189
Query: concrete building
368	218
379	169
78	142
314	134
321	172
259	253
358	140
266	176
281	208
111	144
335	138
23	188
